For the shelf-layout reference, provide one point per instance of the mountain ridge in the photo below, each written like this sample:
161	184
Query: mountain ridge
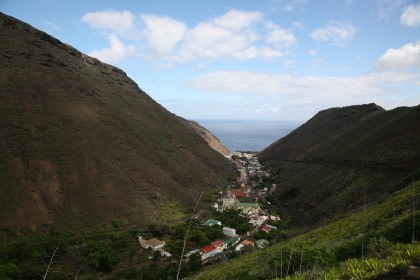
328	164
83	144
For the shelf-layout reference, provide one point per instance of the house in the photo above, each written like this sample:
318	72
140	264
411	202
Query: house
266	229
218	244
243	244
239	247
274	218
229	232
260	220
212	222
228	200
230	242
209	251
270	226
261	243
238	193
192	252
154	245
247	242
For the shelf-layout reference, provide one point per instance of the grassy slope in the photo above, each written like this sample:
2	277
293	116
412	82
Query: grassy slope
327	245
80	143
341	154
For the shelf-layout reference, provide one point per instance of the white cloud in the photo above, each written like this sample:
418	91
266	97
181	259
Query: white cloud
163	32
312	52
116	52
239	35
411	16
335	32
116	21
405	57
281	85
237	20
280	36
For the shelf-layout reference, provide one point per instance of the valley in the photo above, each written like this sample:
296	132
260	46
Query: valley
100	181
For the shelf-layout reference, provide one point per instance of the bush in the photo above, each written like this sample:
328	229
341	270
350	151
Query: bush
101	256
9	271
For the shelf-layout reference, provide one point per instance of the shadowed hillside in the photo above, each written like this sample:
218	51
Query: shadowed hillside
81	143
326	166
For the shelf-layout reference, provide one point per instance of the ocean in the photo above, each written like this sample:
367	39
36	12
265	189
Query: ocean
241	135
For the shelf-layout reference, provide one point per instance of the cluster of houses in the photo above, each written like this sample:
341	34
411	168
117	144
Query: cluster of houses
249	167
245	200
219	246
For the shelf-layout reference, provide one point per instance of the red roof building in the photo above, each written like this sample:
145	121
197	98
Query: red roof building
208	249
266	229
238	193
218	243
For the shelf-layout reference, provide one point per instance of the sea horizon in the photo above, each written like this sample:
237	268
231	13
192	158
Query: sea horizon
248	135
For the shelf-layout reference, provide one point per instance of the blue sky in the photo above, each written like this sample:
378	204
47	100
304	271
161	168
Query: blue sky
239	59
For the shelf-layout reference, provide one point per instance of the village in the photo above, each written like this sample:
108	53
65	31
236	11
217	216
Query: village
243	218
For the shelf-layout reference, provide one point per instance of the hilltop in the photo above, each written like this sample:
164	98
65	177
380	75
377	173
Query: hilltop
342	157
82	144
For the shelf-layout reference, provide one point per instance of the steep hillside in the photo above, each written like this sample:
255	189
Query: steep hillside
382	233
81	143
212	140
331	163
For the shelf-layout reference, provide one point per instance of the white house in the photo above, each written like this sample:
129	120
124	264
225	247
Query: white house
209	251
154	245
229	232
228	200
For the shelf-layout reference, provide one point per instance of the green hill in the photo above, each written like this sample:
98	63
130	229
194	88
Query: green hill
348	183
327	166
82	144
382	231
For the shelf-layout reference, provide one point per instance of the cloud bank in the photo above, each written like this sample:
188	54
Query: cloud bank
237	35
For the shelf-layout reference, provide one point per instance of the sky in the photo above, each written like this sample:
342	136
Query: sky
243	59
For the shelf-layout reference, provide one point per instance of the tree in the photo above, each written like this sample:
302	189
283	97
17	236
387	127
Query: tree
9	271
101	256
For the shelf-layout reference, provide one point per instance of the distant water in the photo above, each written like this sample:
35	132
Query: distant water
248	135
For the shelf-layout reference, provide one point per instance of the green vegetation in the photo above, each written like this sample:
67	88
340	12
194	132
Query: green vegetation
383	232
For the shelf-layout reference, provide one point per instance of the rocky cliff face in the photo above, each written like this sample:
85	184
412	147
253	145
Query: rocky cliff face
212	140
81	143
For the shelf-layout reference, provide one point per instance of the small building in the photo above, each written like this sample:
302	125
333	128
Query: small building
243	244
229	232
154	245
274	218
266	229
270	226
212	222
192	252
218	244
238	193
228	200
209	251
239	247
230	242
247	243
261	243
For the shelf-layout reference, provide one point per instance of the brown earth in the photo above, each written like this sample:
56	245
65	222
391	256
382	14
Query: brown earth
212	140
81	143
